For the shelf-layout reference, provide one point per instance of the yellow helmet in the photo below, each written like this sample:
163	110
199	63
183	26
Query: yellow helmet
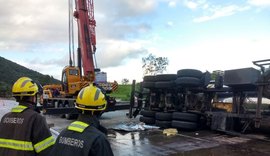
25	86
91	98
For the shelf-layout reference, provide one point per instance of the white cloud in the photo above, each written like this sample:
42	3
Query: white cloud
40	27
115	52
218	12
195	4
207	55
142	5
170	24
191	5
205	6
262	3
32	22
172	4
122	9
220	54
132	71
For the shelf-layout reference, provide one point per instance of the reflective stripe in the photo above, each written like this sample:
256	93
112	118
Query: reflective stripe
97	94
81	93
18	109
16	144
77	126
24	83
42	145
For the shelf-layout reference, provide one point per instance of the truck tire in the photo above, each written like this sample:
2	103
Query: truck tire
162	116
166	77
163	124
70	116
148	84
189	73
188	82
149	78
164	84
61	105
185	116
147	120
184	125
148	113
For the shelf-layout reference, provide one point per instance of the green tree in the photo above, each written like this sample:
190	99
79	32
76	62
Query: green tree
216	73
153	65
125	81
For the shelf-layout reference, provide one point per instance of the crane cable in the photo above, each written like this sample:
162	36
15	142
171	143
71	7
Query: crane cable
95	60
71	33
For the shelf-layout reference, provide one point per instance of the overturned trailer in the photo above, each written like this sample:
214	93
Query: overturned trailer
190	100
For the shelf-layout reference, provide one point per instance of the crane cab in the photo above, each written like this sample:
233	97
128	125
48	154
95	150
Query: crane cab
71	80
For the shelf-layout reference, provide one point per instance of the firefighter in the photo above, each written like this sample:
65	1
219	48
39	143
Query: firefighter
23	130
85	136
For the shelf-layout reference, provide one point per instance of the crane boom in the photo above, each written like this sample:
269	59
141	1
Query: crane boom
92	23
86	34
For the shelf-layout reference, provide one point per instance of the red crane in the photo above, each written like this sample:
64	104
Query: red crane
72	78
87	36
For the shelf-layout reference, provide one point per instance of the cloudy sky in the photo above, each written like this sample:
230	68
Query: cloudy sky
199	34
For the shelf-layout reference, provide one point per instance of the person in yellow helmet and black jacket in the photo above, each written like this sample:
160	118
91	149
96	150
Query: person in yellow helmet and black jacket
85	137
24	132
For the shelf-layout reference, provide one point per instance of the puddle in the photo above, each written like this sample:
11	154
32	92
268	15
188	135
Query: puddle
149	143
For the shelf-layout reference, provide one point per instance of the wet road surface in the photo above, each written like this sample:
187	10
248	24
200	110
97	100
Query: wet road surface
155	143
150	143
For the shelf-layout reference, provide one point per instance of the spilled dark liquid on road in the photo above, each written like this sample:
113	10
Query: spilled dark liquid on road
155	143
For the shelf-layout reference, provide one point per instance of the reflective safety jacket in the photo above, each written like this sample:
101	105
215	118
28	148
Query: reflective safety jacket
82	138
24	132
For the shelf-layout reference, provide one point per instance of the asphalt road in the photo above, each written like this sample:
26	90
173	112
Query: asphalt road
152	142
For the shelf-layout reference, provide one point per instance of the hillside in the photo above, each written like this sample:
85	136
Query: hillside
11	71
